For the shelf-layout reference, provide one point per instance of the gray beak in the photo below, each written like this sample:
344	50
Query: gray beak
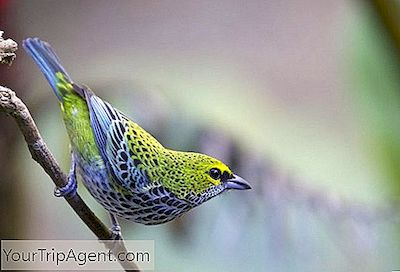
237	183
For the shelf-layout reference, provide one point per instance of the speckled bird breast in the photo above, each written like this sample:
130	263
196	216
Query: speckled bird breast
151	206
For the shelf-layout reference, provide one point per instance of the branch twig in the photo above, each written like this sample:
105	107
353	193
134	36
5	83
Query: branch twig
7	50
13	106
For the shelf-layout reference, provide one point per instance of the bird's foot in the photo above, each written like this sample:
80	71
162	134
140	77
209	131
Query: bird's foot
115	228
115	243
69	189
116	232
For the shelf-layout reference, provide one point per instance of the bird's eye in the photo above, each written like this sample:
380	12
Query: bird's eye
225	176
215	173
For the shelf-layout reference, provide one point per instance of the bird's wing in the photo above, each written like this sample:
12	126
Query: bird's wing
112	130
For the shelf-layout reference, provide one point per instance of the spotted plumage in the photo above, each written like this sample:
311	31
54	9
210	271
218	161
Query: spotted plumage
124	167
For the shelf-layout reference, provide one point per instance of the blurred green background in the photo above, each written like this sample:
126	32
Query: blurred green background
302	98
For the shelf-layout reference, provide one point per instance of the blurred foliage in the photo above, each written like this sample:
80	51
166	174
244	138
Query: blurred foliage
374	74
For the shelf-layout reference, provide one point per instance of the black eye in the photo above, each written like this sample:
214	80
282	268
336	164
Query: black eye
225	176
215	173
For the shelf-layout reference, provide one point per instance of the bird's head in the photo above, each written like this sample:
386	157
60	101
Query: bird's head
204	177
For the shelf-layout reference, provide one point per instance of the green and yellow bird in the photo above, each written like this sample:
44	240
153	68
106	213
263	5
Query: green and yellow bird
124	167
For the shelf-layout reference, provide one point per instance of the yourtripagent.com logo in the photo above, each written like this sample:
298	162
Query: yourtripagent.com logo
75	254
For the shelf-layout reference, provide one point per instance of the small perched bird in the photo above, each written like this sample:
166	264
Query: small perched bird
124	167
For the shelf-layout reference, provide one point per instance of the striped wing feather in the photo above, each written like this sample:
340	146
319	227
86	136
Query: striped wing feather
110	128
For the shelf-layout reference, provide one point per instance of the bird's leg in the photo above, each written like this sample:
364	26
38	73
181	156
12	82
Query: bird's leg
115	228
70	188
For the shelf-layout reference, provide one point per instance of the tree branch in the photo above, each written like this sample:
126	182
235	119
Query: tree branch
7	50
13	106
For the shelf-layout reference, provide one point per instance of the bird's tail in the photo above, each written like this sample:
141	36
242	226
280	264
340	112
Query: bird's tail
50	65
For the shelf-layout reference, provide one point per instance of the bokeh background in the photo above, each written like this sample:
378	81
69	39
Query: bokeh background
302	98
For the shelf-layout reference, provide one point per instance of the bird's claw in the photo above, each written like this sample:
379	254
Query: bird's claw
116	241
116	233
68	190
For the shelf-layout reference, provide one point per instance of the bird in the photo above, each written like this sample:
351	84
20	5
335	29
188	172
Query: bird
129	172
